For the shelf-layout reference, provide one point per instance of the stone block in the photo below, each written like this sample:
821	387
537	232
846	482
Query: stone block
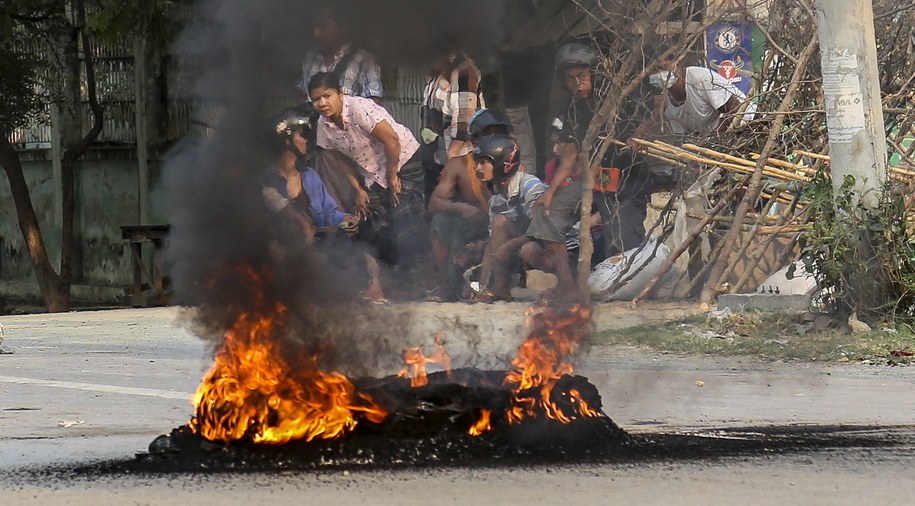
764	302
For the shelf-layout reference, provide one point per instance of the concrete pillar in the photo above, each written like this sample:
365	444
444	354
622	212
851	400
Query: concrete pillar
56	167
854	113
140	125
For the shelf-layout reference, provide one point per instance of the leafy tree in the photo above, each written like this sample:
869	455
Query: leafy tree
42	41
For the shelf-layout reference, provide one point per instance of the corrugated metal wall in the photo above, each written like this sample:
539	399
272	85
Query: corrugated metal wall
116	88
403	92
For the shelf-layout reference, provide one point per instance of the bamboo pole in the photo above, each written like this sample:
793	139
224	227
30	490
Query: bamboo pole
755	182
786	164
724	219
902	174
750	165
756	230
747	241
815	156
743	167
781	200
783	221
757	255
648	151
703	272
690	239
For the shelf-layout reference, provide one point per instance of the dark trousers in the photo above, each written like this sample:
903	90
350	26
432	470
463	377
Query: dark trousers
400	233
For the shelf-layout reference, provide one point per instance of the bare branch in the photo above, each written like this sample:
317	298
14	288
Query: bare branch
772	42
754	185
893	12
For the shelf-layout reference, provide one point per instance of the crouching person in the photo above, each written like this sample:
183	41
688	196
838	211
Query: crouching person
295	191
552	218
390	193
459	206
498	160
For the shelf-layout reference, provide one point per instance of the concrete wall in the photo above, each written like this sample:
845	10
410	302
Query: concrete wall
106	199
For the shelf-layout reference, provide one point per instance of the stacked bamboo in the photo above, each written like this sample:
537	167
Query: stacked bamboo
898	174
697	154
773	168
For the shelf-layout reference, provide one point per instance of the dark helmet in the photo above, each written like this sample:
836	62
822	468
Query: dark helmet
574	54
504	153
486	118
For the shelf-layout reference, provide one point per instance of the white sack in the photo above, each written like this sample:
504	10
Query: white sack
607	272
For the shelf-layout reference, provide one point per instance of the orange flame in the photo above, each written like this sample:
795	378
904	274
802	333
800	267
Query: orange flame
482	425
251	391
415	362
540	363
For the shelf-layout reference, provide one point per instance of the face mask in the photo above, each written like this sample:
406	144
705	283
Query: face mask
662	80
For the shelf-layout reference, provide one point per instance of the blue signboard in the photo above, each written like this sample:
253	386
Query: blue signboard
728	51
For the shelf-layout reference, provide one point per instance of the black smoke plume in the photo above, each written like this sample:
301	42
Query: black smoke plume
420	33
225	258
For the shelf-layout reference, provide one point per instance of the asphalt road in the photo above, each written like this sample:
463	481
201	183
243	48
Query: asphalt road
88	387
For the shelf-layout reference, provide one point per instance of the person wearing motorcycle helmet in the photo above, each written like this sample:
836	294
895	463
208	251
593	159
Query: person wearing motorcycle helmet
295	191
498	163
622	185
498	158
294	120
292	184
458	207
575	63
488	121
554	214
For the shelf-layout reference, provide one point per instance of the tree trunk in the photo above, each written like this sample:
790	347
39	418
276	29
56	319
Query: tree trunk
55	286
77	149
56	295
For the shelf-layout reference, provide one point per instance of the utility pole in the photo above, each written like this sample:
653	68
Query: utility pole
857	139
854	111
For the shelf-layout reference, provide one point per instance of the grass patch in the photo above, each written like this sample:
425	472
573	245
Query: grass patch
797	337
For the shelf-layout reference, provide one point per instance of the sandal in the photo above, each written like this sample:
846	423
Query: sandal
371	300
489	296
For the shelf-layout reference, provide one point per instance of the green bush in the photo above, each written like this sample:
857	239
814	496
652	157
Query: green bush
863	258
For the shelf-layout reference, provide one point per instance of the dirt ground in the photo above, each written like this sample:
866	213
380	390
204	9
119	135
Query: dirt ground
88	387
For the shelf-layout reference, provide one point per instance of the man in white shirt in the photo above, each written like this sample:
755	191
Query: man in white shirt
693	100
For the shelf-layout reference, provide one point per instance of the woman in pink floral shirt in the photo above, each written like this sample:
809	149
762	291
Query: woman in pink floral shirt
390	195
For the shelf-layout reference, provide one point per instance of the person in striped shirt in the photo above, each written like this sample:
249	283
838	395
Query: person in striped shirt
498	164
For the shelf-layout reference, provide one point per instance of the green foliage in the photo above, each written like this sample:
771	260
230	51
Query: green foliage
30	34
24	27
19	101
111	20
863	258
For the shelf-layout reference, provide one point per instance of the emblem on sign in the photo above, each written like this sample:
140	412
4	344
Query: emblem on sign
728	39
727	69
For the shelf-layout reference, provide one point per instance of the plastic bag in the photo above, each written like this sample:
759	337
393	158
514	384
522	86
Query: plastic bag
606	273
